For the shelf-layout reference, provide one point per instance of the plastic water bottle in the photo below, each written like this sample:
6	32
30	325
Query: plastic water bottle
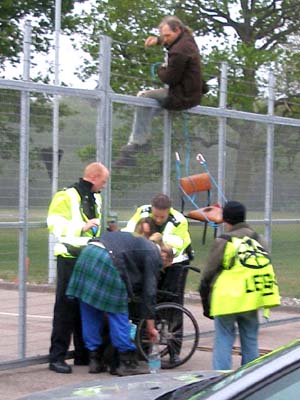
154	362
132	330
94	230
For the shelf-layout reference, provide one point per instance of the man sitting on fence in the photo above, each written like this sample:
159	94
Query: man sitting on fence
182	73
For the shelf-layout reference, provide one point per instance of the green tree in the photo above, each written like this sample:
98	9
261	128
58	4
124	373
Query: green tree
250	35
42	16
251	31
42	13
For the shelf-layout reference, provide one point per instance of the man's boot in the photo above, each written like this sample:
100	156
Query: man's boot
129	365
111	356
96	364
128	153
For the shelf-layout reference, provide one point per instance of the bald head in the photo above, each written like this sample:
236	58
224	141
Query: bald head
97	174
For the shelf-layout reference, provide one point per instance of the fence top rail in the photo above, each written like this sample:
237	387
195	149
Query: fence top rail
21	224
226	113
50	89
138	101
210	111
43	224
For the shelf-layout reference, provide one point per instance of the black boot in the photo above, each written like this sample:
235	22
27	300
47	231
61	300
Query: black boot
111	357
129	365
128	153
96	364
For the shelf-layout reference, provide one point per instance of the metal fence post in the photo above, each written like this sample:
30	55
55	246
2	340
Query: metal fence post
269	165
222	131
222	135
23	193
167	153
103	128
55	140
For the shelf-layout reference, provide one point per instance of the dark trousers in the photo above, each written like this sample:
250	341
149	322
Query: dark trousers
173	280
66	318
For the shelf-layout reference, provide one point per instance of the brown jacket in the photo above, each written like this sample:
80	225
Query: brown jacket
182	74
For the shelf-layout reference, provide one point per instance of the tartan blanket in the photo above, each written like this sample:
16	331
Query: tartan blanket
97	282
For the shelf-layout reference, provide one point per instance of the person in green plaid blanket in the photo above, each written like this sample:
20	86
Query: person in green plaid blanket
109	272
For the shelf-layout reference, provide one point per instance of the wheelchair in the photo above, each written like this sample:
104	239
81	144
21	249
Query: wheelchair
178	331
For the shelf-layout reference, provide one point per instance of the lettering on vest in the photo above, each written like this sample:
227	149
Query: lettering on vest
260	283
247	281
249	253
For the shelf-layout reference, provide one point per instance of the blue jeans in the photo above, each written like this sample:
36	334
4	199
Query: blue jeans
225	335
92	326
141	130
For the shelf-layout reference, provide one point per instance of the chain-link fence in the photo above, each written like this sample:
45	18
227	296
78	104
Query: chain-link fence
254	157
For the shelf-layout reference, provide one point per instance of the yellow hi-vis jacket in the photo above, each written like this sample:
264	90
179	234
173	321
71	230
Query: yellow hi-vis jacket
240	288
66	219
175	233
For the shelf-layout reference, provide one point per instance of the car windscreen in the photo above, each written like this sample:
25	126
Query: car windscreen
187	391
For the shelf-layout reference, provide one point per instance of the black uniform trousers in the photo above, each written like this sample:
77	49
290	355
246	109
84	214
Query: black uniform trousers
66	318
173	280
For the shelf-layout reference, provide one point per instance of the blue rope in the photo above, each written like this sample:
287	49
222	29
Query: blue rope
190	198
205	167
185	124
153	68
187	143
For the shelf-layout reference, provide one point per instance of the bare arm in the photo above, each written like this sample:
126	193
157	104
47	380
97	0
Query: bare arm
152	331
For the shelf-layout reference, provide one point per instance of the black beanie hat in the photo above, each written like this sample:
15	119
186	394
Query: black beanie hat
234	212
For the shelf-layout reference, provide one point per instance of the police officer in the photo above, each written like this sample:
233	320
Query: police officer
173	227
73	218
233	290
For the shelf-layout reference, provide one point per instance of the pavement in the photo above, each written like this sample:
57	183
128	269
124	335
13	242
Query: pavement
283	327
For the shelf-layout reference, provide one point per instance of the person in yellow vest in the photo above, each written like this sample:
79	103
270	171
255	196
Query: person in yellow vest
74	217
174	229
238	280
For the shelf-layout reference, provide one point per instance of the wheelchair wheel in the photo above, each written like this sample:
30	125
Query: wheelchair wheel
178	334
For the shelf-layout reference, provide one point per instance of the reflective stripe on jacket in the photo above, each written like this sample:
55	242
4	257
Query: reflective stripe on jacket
66	219
175	233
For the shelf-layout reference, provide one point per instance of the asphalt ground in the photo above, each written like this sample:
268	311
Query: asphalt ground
283	327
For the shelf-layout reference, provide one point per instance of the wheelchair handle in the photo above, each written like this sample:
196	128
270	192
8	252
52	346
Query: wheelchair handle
196	269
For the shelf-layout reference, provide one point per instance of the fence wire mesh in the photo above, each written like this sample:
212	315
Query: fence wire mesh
245	179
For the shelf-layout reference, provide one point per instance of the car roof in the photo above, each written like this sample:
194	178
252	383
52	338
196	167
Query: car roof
138	387
212	385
